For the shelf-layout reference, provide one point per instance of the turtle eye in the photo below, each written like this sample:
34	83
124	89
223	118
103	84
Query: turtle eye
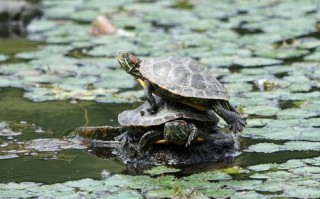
125	55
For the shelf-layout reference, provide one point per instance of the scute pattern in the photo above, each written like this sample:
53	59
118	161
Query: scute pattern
182	76
167	111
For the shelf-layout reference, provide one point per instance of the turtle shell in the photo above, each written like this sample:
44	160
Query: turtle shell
167	111
184	77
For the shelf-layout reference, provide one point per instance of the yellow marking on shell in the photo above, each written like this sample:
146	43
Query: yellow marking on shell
163	141
142	83
197	106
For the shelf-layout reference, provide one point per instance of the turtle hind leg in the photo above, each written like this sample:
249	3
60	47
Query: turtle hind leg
234	120
149	138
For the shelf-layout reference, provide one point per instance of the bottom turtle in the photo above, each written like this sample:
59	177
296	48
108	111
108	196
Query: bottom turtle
174	123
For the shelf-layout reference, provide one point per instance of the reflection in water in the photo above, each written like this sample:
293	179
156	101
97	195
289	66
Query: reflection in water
138	169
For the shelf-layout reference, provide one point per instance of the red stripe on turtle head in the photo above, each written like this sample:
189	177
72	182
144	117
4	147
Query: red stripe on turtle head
133	59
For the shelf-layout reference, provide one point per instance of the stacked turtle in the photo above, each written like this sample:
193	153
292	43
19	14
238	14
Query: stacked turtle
182	100
182	81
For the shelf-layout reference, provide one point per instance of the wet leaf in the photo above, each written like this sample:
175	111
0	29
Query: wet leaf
262	110
296	114
288	146
264	148
258	122
3	57
168	193
242	185
281	53
249	195
302	192
262	167
161	170
313	57
209	176
271	187
234	170
83	183
8	156
220	193
255	61
41	25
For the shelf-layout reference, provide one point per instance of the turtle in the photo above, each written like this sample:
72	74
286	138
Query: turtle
182	80
174	123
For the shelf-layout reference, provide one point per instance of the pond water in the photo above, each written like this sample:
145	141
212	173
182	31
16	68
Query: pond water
58	78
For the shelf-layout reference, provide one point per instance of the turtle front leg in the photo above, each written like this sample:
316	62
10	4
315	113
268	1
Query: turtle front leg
149	138
193	134
148	93
235	121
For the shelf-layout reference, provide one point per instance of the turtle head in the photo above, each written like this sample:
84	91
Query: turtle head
176	131
130	63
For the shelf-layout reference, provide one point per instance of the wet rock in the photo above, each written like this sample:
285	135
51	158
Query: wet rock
14	15
217	146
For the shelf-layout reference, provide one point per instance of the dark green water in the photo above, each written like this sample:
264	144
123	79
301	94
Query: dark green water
61	118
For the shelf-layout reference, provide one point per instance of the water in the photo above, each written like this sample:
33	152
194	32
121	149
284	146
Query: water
59	117
77	62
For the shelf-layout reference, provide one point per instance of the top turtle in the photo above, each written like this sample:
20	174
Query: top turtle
182	80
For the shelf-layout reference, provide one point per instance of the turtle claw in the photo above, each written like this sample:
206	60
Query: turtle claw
125	137
192	139
237	125
152	110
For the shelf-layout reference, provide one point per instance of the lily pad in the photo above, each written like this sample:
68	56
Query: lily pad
262	167
313	57
84	15
262	110
8	156
209	176
161	170
281	53
296	114
3	57
239	185
41	25
255	61
5	130
264	148
302	192
288	146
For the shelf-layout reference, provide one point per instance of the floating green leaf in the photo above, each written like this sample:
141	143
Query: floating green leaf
209	176
41	25
3	57
161	170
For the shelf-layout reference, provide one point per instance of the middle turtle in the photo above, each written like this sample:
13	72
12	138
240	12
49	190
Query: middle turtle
182	80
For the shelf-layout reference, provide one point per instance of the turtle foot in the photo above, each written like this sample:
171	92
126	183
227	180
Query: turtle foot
152	110
238	124
126	137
